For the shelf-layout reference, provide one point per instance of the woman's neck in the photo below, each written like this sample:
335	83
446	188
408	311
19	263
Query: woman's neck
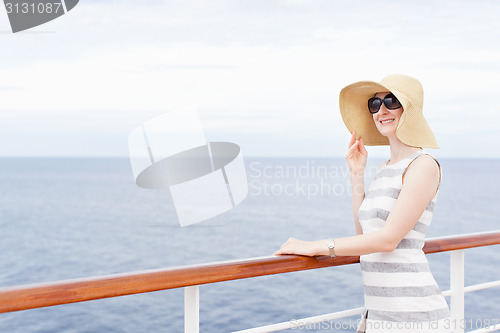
400	150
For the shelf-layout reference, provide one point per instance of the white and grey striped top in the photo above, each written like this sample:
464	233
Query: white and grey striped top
398	285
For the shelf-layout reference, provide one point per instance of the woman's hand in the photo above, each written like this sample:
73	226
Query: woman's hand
300	247
356	155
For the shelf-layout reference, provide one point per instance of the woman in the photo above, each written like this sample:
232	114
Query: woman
391	219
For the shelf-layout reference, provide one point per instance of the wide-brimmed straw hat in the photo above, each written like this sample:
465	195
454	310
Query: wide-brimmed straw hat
412	129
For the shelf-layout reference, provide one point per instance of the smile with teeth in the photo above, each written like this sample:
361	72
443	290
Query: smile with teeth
386	121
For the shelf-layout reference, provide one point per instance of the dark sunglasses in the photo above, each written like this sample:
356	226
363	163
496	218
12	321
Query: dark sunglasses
390	101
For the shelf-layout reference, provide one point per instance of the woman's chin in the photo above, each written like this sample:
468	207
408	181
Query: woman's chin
387	132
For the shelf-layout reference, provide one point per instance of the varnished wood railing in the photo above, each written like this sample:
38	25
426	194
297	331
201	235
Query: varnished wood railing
79	290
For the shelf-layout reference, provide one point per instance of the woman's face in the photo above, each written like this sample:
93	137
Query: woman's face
385	119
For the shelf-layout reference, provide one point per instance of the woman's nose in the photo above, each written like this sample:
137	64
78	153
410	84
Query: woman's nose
383	110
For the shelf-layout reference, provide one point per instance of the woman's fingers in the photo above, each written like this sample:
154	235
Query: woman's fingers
362	147
352	140
282	250
355	145
286	247
352	149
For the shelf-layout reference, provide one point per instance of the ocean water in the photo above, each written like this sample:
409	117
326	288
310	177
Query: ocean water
72	218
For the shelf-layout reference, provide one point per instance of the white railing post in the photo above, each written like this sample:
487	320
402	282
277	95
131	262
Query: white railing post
192	309
457	283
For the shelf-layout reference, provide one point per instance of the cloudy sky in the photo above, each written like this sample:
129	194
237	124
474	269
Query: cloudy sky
263	74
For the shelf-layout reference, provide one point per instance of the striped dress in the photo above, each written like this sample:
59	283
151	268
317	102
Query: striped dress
400	292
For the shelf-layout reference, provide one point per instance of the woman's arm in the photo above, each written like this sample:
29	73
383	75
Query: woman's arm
419	187
356	160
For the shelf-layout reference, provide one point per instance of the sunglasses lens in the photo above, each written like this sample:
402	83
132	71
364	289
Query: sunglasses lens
374	104
391	102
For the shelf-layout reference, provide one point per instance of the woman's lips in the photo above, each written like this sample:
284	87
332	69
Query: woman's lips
386	121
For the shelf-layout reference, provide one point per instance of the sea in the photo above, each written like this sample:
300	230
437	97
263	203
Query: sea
65	218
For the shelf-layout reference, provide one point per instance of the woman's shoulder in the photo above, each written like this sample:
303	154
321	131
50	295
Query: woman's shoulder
424	168
426	160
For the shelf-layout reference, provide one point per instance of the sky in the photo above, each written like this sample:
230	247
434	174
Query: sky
265	75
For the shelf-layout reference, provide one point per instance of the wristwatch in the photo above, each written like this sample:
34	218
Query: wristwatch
331	248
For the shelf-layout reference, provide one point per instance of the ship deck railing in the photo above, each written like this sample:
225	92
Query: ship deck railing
25	297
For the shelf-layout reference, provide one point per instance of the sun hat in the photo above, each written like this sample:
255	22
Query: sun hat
412	129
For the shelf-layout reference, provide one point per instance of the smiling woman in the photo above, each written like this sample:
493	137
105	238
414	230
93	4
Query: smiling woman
392	218
386	121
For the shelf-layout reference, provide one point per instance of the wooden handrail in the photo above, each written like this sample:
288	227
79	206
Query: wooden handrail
85	289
